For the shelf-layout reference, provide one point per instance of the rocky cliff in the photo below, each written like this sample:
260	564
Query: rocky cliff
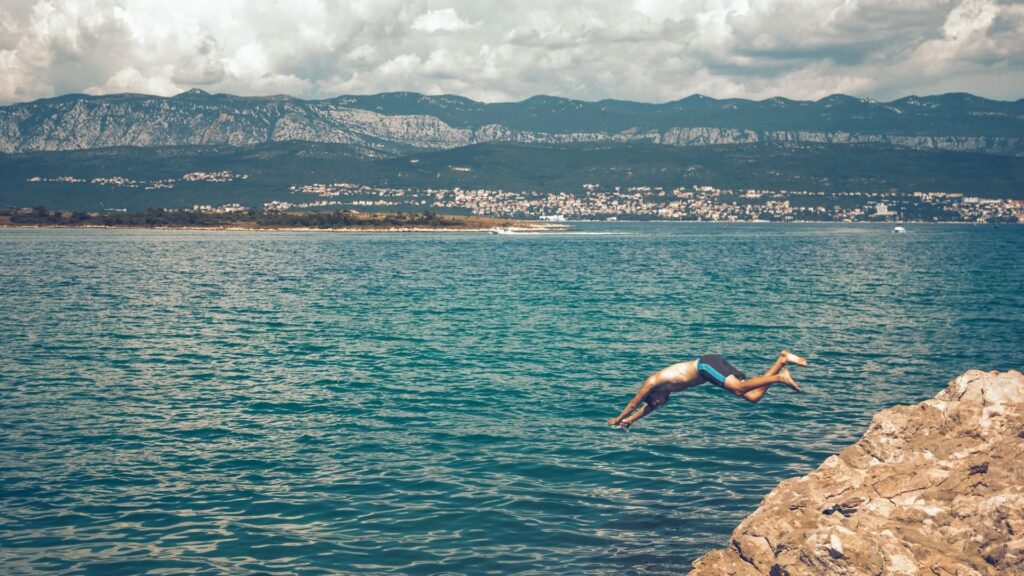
936	488
400	122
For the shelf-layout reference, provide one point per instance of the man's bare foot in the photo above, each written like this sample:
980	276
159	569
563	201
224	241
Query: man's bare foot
791	358
787	379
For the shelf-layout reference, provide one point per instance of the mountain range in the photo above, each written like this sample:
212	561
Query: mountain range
402	122
80	152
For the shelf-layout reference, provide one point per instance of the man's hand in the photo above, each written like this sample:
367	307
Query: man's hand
619	422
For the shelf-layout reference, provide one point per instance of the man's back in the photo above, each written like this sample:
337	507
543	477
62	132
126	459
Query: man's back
678	377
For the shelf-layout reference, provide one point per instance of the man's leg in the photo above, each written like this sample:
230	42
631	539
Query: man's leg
742	387
756	394
785	357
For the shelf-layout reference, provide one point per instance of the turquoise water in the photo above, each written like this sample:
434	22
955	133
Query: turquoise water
196	402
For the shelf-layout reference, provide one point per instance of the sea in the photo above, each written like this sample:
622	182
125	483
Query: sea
215	402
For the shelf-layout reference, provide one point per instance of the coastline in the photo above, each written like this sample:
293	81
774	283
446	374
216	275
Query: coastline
352	230
159	219
520	226
837	222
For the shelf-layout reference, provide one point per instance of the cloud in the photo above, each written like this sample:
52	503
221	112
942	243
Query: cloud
445	19
648	50
131	80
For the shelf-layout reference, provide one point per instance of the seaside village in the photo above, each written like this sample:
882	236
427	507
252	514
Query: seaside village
122	182
595	201
697	203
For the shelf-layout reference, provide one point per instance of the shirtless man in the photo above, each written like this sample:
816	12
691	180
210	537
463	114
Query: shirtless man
708	368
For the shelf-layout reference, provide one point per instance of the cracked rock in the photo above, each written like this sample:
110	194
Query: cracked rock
936	488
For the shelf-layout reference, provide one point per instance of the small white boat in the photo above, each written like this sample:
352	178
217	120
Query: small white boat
899	230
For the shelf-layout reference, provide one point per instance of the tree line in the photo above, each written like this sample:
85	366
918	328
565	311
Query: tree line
159	217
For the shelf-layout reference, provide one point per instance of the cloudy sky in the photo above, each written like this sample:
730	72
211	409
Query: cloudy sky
498	50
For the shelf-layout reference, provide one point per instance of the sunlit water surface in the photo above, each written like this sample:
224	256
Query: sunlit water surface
196	402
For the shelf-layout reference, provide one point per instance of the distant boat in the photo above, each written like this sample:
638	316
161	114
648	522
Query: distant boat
503	230
899	230
553	218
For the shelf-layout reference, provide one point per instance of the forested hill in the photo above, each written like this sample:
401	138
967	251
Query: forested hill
131	176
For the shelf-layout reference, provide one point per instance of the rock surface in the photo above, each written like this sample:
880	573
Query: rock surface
401	122
936	489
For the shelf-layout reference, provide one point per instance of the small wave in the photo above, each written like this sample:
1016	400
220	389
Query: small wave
399	404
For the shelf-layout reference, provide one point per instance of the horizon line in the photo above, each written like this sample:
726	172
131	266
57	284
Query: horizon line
199	92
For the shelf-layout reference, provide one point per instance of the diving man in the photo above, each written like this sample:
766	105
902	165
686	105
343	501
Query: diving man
708	368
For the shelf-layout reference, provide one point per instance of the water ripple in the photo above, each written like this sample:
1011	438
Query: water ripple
199	403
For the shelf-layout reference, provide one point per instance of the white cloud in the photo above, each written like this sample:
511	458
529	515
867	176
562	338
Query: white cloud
402	65
131	80
971	17
445	19
650	50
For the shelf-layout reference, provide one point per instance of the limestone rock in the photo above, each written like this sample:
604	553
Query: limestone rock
931	489
397	123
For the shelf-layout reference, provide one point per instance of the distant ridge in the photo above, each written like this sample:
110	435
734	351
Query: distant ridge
402	122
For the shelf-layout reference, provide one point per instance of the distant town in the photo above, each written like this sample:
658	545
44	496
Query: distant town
697	203
596	201
122	182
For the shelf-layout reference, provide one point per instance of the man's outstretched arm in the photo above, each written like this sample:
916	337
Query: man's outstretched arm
644	411
634	403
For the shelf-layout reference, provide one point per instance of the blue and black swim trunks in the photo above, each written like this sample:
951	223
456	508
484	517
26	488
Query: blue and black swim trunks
716	369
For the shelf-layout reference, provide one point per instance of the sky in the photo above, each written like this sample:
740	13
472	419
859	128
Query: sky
501	50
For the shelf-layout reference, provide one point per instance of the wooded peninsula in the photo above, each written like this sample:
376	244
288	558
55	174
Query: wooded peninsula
257	220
